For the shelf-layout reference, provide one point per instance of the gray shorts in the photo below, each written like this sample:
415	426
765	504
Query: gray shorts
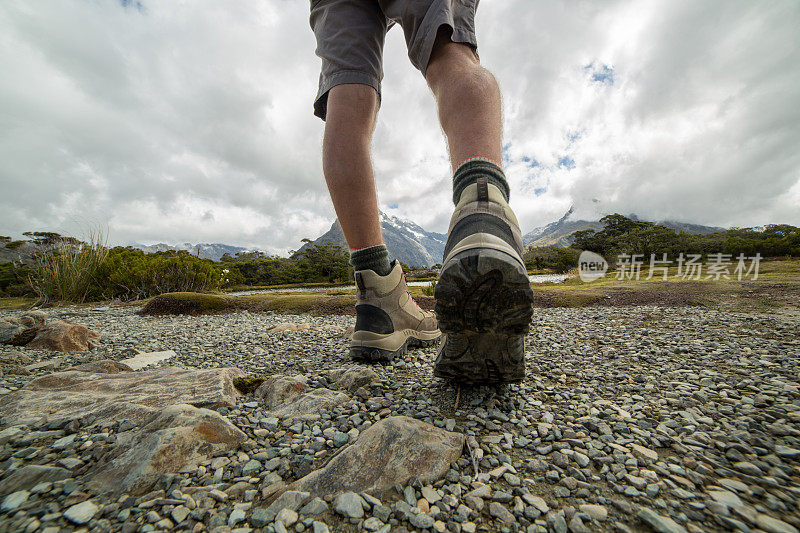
350	36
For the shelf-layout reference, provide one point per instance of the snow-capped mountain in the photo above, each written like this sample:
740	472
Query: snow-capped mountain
407	242
559	233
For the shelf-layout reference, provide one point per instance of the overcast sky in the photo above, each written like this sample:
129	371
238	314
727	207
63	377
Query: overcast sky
192	121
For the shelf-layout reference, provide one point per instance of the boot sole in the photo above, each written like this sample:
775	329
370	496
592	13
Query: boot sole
369	354
484	308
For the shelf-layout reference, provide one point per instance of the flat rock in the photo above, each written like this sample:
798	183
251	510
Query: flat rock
173	438
64	336
29	476
123	395
658	523
80	513
142	360
773	525
395	450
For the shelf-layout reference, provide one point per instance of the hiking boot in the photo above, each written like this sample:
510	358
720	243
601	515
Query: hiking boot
483	295
388	320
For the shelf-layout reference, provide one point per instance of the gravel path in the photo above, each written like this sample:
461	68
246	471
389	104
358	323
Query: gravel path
631	419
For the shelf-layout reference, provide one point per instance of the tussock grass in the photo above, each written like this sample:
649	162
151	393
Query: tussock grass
68	271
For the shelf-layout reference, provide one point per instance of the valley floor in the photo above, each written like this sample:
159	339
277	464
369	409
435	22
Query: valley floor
633	418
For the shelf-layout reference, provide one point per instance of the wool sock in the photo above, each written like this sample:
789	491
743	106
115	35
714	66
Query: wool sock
473	168
374	258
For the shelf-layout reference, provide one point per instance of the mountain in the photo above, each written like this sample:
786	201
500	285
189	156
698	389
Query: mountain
407	242
207	251
559	233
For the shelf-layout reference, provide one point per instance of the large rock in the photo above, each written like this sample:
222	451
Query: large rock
170	428
64	336
279	390
29	476
396	450
174	438
123	395
18	331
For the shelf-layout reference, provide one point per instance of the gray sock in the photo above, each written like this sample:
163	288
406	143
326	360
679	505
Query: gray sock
470	170
375	258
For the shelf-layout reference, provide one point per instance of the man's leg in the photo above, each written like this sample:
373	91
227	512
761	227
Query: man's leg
483	296
352	110
468	99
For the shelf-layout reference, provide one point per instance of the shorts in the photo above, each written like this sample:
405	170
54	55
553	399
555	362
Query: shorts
350	36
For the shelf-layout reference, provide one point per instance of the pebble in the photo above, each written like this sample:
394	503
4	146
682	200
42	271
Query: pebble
673	419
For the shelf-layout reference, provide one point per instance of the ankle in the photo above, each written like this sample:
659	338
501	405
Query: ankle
473	168
375	258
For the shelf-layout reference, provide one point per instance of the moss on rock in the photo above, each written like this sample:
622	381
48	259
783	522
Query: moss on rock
187	303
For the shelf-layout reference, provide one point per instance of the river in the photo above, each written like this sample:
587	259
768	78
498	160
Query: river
535	278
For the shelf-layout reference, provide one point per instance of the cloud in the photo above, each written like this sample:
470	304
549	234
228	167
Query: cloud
192	121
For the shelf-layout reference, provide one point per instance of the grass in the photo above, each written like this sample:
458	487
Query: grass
777	290
193	303
67	272
17	303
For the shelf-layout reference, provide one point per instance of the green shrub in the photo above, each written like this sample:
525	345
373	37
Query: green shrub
129	273
429	289
12	280
13	245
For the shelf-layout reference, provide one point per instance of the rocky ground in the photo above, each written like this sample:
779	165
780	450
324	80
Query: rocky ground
631	419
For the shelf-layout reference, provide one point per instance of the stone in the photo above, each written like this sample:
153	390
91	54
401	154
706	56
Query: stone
175	437
287	517
786	451
640	452
320	527
773	525
421	521
136	396
288	326
354	377
291	499
726	498
28	476
180	513
260	517
597	512
104	366
278	390
747	468
237	516
64	336
311	403
660	524
314	507
499	511
537	502
141	360
349	504
80	513
394	450
14	500
18	331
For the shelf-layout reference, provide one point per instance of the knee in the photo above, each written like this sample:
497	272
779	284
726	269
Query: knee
354	103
